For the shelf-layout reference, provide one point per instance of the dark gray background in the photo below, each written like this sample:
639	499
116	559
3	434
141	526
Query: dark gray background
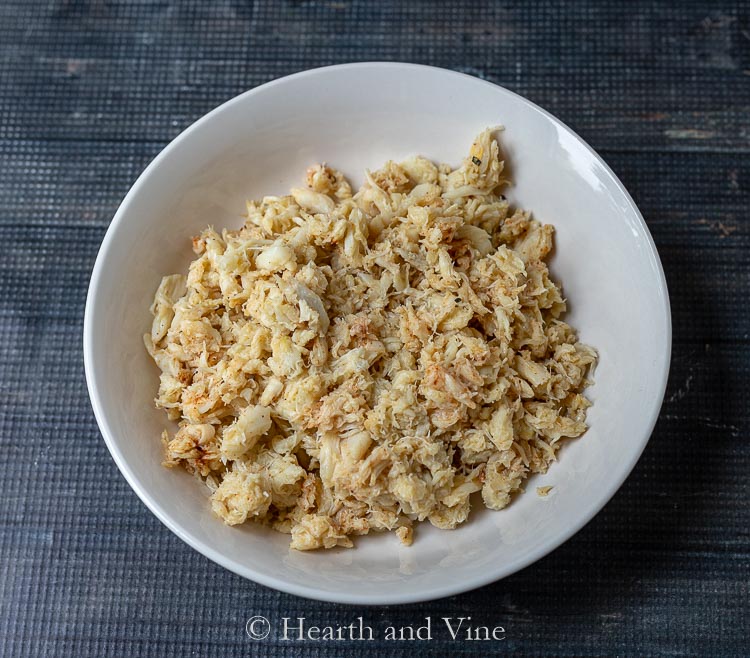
91	91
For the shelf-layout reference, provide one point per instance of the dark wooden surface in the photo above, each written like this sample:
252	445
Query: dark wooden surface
91	91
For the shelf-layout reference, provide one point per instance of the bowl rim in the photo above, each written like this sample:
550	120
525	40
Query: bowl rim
269	580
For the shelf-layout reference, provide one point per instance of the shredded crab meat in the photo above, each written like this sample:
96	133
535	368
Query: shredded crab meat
354	362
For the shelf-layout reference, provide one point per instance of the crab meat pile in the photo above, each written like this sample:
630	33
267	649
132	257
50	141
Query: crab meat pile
347	363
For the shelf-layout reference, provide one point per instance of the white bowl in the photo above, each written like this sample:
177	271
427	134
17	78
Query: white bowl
355	117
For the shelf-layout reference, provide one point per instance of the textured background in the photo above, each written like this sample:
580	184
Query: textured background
91	91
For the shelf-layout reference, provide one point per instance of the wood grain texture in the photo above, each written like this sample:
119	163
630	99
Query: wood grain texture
91	91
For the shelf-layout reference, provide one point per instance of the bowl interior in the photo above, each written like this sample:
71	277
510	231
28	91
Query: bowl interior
356	117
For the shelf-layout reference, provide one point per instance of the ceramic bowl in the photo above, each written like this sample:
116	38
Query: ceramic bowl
354	117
